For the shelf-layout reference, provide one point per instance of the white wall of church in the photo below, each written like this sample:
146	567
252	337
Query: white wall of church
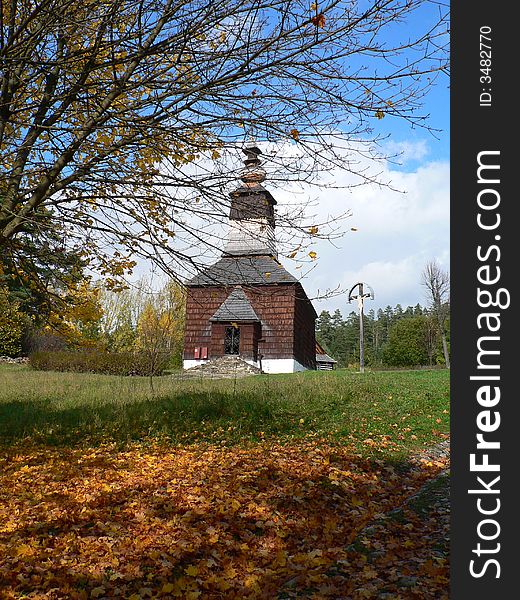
251	236
269	365
281	365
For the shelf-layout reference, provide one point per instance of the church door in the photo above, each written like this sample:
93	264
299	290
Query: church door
232	340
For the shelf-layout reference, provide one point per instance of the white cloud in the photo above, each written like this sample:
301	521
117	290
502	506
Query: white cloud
395	280
417	199
406	151
397	233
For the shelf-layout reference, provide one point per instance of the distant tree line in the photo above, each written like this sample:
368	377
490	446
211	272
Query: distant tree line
394	337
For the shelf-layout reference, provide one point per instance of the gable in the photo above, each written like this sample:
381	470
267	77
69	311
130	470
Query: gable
236	307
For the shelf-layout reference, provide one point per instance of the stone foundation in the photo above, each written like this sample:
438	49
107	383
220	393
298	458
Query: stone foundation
224	367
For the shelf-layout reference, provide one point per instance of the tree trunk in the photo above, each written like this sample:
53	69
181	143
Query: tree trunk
445	349
440	322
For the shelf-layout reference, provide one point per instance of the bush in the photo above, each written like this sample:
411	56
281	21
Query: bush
116	363
39	340
406	346
13	324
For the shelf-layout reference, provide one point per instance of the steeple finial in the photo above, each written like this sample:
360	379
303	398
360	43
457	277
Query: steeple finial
253	174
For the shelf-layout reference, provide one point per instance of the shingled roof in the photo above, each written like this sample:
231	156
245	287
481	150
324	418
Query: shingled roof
325	358
322	357
236	307
243	270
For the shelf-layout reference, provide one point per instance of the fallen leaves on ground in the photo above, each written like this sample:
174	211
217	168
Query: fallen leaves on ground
208	521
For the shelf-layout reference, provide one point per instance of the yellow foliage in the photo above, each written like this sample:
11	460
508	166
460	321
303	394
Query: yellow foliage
161	324
12	326
79	316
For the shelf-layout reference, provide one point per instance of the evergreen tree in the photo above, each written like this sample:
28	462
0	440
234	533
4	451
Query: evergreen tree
38	269
324	330
409	312
406	345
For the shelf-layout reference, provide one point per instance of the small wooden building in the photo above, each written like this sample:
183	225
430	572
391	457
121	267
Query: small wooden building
246	304
324	362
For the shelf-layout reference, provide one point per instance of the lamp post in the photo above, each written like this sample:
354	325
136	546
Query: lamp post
360	297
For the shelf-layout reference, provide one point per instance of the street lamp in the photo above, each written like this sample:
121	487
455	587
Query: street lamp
360	296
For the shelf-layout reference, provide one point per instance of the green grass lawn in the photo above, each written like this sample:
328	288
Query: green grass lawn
381	412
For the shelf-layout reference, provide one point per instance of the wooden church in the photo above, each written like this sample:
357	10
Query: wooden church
246	304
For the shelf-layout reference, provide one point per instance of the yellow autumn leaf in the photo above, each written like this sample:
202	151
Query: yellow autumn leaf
268	275
24	550
250	580
230	573
380	114
167	588
369	573
295	134
192	571
312	254
313	230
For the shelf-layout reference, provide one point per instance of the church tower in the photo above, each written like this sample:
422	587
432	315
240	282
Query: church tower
246	304
251	218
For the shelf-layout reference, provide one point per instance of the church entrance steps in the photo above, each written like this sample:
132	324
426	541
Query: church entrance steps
223	367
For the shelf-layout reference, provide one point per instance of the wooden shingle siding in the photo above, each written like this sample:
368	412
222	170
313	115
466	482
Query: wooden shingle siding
236	307
243	270
274	305
201	304
304	330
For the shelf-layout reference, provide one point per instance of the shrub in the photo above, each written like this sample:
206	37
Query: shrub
39	340
12	327
108	363
406	346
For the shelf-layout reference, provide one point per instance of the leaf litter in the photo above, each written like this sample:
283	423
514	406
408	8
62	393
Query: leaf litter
265	520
